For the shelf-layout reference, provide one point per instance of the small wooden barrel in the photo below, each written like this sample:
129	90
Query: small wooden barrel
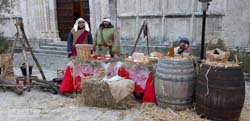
174	80
84	51
221	97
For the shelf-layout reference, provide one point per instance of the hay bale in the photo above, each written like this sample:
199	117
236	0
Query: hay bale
97	93
4	59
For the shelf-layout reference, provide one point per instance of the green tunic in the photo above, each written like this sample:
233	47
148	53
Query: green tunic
110	37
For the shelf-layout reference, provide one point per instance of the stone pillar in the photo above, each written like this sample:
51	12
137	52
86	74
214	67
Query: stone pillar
93	15
53	21
100	9
40	20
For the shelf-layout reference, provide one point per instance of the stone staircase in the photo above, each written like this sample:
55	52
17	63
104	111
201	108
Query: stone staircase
52	48
51	56
59	49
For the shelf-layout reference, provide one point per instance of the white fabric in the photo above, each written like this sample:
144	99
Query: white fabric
75	27
176	50
120	87
106	19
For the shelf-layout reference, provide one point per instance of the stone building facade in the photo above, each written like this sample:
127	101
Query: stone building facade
50	20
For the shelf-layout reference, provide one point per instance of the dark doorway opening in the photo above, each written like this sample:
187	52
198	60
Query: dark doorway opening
67	12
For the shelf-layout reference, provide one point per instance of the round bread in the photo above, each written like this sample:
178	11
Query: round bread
155	54
141	60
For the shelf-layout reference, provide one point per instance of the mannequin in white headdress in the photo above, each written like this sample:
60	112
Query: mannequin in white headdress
80	34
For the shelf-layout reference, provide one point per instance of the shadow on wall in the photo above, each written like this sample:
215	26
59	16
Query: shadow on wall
4	46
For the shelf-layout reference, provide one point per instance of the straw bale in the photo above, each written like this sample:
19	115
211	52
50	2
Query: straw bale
4	59
97	93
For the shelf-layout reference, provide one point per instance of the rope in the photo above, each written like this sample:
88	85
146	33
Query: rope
207	79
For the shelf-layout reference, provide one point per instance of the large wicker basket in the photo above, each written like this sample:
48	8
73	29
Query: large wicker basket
215	52
4	59
84	51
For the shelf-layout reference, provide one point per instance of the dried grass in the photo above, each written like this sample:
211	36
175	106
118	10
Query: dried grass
97	93
222	64
150	112
245	114
4	59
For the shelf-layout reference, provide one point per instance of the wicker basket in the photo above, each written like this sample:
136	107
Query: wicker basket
84	51
215	53
4	59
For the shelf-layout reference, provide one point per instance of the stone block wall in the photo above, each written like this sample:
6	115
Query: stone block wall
170	19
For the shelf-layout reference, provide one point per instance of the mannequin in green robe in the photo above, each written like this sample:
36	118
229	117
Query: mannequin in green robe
106	40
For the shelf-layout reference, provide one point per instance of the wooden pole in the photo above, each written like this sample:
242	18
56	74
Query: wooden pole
11	86
12	54
27	67
138	37
146	27
31	51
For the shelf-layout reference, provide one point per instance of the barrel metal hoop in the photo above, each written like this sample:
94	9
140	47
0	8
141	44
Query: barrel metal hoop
174	73
176	62
185	101
224	88
191	80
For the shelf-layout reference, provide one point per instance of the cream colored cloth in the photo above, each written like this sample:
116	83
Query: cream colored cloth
75	27
106	19
120	87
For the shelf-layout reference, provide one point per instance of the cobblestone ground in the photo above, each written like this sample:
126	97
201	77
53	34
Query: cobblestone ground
42	106
47	62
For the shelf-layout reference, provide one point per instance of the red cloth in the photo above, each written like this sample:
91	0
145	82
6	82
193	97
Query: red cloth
69	84
149	91
79	40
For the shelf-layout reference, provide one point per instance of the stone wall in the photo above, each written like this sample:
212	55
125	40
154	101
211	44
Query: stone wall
236	23
39	19
167	19
8	12
170	19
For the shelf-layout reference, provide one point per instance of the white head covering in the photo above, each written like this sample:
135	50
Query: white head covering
75	27
106	19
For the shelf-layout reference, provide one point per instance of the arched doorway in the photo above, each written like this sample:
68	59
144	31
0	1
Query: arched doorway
67	12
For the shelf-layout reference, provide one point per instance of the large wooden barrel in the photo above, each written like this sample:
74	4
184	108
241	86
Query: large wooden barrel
174	80
221	97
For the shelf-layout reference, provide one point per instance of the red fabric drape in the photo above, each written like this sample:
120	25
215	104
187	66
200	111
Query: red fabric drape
149	91
79	40
69	84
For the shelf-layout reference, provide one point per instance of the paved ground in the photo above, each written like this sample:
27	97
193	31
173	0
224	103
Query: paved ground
47	61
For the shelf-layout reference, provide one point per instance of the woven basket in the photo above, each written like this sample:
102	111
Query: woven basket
216	54
4	59
84	51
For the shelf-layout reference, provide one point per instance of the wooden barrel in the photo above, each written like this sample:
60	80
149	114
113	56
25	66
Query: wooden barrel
174	80
221	97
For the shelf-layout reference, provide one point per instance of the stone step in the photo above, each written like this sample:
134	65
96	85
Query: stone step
60	48
44	51
57	44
